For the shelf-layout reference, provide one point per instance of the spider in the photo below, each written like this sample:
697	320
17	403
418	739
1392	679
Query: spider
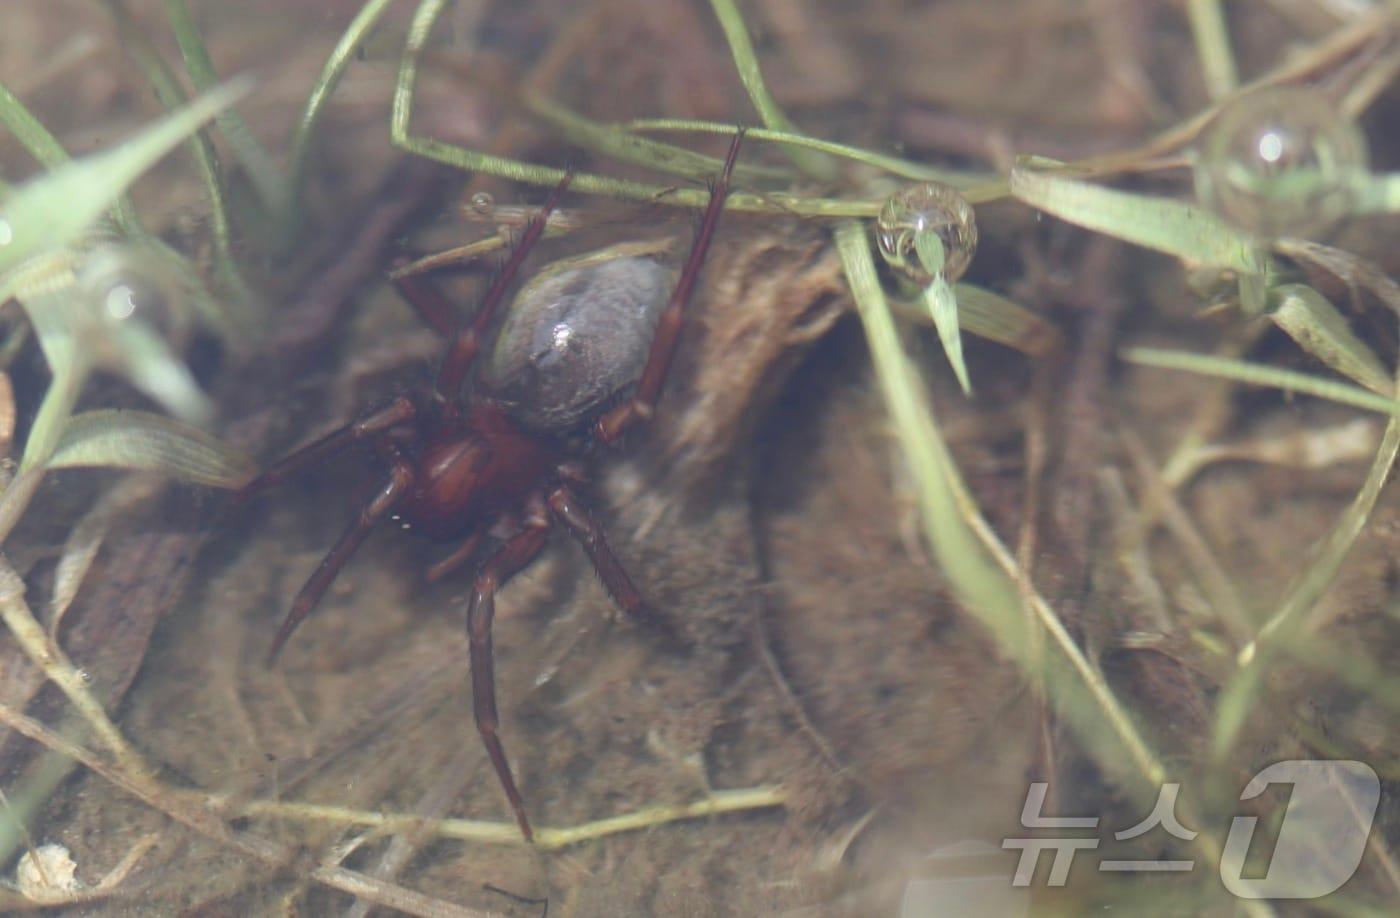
500	456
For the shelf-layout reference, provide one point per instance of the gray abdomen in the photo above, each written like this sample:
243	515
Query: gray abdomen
576	334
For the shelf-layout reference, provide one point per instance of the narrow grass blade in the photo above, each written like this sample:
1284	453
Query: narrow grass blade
992	316
585	182
1212	37
1308	318
620	145
892	164
1289	622
942	304
54	209
954	528
321	92
263	173
140	440
731	21
172	96
1255	374
1166	225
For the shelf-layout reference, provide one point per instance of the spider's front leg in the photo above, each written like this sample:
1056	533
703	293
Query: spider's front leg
376	509
640	407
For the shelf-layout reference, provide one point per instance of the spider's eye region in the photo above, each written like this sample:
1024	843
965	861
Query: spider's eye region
929	207
1281	162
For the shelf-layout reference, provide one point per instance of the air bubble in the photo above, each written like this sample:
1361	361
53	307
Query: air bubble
925	208
483	203
1281	162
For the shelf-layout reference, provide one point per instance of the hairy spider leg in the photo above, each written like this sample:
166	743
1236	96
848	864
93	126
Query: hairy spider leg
515	554
640	407
376	509
467	341
400	411
568	509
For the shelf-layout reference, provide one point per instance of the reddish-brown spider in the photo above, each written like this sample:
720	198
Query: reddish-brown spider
497	458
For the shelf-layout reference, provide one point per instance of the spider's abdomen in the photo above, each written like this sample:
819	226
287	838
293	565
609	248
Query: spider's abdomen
576	335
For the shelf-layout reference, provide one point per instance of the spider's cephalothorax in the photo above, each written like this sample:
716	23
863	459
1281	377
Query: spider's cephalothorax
498	460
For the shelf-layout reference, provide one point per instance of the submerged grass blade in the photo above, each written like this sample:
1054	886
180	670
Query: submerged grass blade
586	182
731	21
321	92
1212	38
985	583
620	145
264	174
1308	318
1166	225
892	164
54	209
168	90
140	440
1256	374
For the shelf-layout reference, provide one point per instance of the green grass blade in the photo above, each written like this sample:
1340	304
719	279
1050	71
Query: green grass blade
324	87
620	145
30	131
992	316
1255	374
167	89
892	164
1289	622
143	441
1166	225
1308	318
746	63
262	171
588	183
55	208
954	527
1212	37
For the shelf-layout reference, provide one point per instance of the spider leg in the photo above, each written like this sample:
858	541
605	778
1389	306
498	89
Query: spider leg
427	300
459	556
400	411
399	481
467	341
570	510
515	554
612	425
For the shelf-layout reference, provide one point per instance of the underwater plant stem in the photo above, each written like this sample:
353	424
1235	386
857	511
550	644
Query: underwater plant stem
746	63
321	92
501	833
263	173
1212	38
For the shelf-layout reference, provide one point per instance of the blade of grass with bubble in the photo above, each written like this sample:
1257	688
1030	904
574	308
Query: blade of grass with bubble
985	583
942	304
1164	224
56	208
